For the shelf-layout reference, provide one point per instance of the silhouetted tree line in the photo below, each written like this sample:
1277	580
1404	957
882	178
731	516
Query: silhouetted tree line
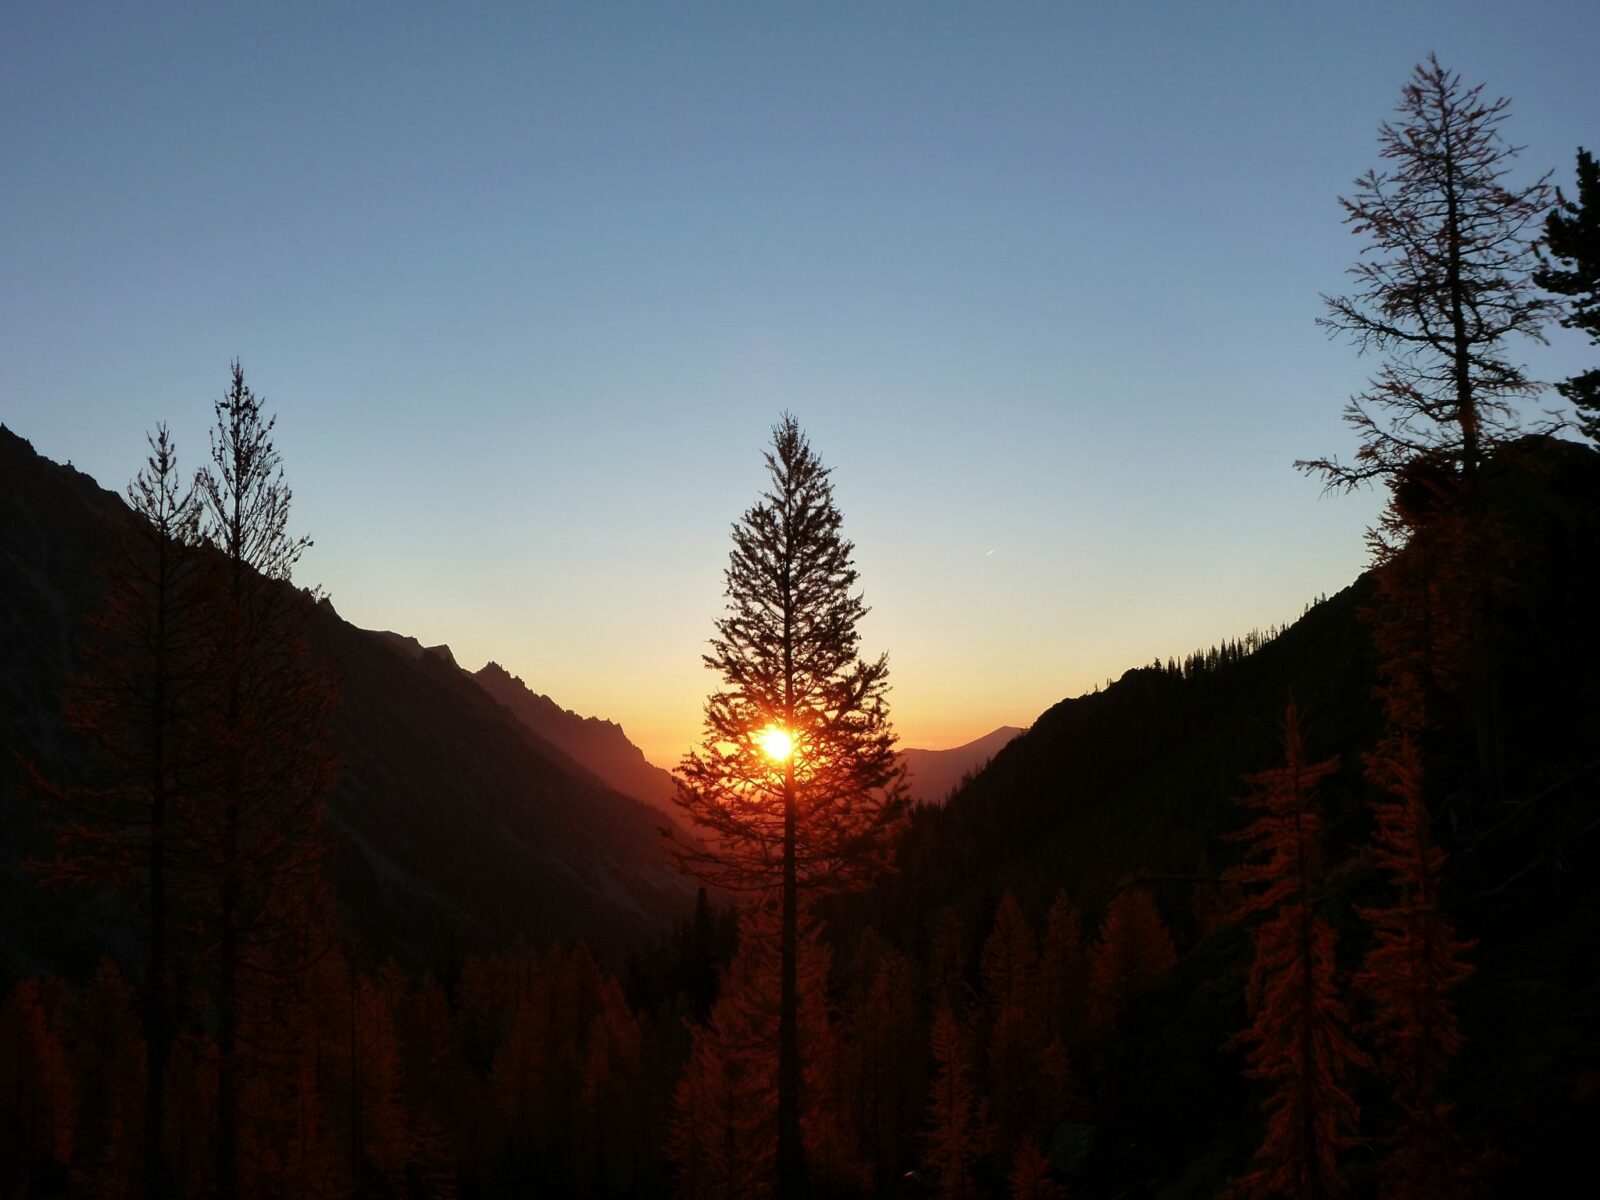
255	1053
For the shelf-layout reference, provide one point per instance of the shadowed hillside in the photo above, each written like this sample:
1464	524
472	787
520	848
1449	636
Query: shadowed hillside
598	745
1139	784
451	823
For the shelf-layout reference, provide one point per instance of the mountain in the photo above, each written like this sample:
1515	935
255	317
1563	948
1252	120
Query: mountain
453	823
596	744
934	774
1139	783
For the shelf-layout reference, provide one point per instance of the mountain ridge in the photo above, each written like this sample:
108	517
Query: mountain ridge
935	774
452	822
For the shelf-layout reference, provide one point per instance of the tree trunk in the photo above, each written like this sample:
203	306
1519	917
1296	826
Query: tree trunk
791	1154
227	1015
157	1036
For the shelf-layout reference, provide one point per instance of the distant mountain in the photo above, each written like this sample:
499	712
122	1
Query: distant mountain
937	773
453	823
596	744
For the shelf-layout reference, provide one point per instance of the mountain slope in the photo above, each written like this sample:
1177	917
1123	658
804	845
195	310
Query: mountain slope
934	774
1139	782
452	823
599	745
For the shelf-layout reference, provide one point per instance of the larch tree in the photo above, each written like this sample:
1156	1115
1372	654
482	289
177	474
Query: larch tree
1448	282
796	789
1444	288
1299	1032
1134	954
266	727
953	1118
1016	1041
1571	269
132	704
1415	963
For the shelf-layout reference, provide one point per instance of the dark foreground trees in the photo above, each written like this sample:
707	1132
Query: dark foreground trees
796	788
131	705
1299	1034
1445	287
264	720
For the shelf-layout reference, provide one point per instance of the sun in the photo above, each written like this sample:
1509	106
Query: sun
776	743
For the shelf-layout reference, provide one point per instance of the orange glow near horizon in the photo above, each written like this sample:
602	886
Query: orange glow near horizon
775	743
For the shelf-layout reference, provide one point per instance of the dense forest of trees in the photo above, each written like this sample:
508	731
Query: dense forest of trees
946	1034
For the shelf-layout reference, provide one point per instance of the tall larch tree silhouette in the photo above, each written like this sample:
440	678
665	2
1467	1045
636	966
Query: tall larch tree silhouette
796	787
1444	287
1571	269
1416	961
1445	282
1299	1033
267	733
131	703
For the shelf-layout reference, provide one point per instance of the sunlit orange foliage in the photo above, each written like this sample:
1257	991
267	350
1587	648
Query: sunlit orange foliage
954	1135
1298	1038
1414	964
1134	955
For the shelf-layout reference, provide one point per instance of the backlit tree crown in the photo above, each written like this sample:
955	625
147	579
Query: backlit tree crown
788	654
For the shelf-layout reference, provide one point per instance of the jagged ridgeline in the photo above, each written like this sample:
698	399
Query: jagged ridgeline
1056	954
452	823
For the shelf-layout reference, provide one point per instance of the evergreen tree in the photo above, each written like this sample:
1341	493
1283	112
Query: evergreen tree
1416	961
1298	1037
1448	284
266	728
1134	955
1572	240
724	1133
953	1134
132	705
796	788
1016	1043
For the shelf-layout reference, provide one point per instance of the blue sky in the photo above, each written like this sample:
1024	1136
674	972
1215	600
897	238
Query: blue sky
528	286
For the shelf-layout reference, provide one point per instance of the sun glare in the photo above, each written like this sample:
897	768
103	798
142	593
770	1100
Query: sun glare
776	743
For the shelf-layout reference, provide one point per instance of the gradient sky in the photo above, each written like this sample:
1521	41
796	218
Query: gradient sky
528	286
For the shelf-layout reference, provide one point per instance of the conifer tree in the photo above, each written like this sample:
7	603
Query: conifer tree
1416	961
1009	968
885	1078
1449	282
132	703
953	1134
1064	973
1134	955
1571	268
1447	288
724	1133
796	788
1299	1033
266	728
1030	1175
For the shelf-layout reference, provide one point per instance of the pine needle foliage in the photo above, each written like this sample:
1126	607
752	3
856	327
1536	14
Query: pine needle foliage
1445	281
1299	1033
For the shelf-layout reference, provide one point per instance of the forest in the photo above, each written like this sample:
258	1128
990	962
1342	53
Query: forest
294	909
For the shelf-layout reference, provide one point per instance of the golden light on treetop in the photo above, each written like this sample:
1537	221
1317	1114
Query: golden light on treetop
776	743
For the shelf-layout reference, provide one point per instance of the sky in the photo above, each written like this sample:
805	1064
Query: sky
527	287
